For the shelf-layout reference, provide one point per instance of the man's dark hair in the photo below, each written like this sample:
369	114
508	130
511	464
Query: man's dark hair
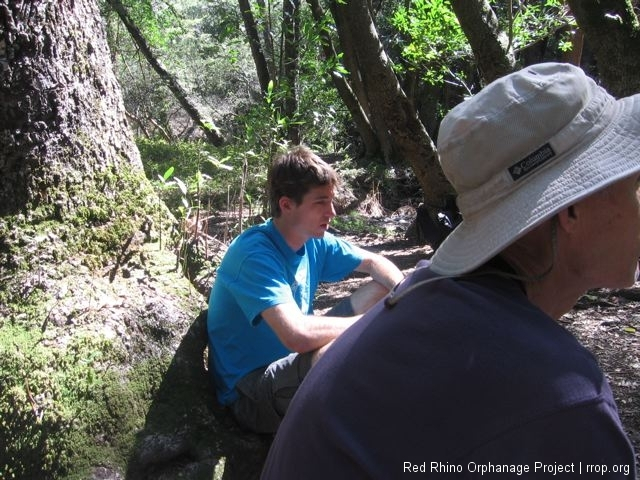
294	173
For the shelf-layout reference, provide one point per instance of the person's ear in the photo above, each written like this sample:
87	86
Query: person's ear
286	204
568	218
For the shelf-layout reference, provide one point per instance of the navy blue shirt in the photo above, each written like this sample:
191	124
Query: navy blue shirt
462	378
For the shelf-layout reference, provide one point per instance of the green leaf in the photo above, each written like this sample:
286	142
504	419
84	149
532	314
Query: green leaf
269	92
168	173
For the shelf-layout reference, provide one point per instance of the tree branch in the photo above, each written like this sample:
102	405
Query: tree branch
210	130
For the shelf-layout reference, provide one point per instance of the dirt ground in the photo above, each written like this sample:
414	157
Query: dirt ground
607	322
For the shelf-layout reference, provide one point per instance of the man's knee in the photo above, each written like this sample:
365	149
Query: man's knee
265	394
366	296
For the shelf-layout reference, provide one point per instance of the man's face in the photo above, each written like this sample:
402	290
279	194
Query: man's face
312	216
611	236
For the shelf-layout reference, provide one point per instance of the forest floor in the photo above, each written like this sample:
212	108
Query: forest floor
607	322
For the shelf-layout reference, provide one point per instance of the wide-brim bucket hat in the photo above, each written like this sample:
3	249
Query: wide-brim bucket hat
525	147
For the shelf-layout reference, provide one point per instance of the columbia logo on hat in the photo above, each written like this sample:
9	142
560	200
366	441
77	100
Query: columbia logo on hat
531	162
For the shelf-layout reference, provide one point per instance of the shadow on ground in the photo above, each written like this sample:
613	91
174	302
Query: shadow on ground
186	433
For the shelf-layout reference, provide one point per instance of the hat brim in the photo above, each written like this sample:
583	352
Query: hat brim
612	156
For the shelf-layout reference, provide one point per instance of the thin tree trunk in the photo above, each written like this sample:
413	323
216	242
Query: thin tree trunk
206	125
265	24
574	56
366	131
350	57
411	141
257	52
490	45
290	61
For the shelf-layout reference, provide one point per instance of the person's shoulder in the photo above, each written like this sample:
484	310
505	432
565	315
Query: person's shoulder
330	237
251	243
256	234
327	240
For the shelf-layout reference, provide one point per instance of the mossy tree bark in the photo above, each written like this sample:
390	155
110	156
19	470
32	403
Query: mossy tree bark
93	311
62	124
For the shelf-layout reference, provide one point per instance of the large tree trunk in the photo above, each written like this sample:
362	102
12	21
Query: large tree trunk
391	106
92	309
64	133
207	126
490	45
612	31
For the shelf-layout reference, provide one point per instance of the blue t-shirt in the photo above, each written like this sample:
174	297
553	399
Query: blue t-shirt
259	271
461	379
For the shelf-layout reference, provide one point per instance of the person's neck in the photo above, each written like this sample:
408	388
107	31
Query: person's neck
555	294
539	261
288	232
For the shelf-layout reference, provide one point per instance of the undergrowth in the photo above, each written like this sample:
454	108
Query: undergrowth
63	407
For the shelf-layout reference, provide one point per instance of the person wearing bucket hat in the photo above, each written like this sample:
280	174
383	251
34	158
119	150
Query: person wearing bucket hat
464	369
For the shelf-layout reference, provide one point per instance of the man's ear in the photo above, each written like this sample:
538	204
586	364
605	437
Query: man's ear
285	203
568	218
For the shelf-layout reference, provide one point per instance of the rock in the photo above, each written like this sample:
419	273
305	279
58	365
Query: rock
186	433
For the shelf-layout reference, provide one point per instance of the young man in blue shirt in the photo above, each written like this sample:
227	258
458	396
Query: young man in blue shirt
263	334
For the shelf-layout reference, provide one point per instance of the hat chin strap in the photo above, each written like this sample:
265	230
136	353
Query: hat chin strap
394	297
